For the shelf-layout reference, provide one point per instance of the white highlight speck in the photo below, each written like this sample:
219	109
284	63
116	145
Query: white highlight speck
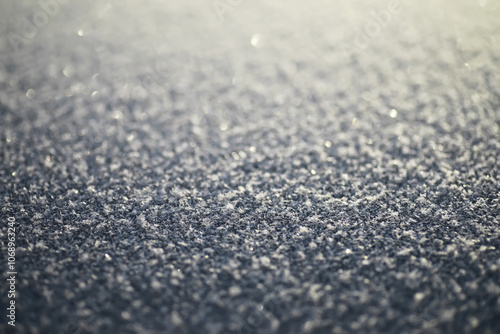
117	114
30	93
256	40
234	291
68	71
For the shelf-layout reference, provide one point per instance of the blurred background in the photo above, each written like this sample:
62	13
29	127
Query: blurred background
209	49
228	58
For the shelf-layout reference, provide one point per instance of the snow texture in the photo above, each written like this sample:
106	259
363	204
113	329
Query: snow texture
175	168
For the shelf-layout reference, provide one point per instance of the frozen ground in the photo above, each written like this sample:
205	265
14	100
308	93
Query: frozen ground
177	169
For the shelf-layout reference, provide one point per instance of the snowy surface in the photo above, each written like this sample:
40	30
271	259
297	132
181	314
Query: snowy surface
173	169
